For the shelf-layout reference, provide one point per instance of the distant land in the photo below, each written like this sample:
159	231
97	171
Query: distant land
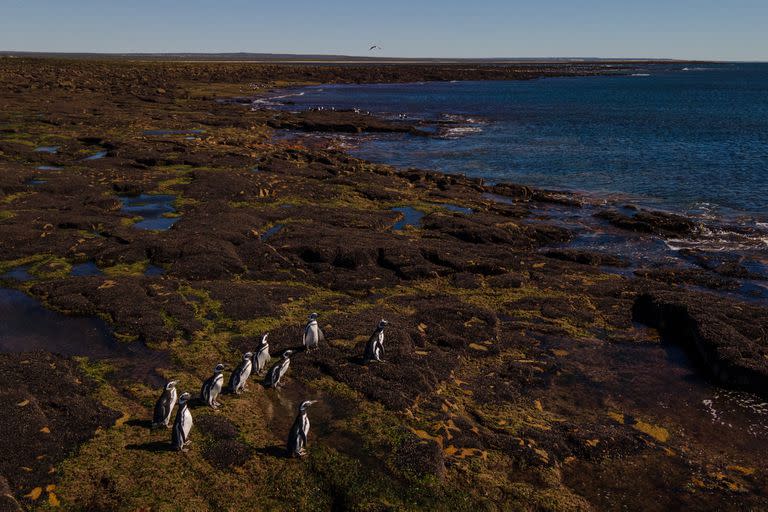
315	58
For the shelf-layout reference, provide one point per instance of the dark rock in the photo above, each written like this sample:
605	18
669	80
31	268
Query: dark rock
587	258
217	427
729	338
419	458
227	453
659	223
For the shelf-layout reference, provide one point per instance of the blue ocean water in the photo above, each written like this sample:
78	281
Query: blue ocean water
687	139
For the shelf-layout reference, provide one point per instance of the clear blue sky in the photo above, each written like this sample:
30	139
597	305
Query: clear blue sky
703	29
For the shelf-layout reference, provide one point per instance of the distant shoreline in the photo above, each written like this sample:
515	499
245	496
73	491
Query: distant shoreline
276	58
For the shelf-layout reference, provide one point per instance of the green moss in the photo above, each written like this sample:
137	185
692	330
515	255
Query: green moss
181	202
125	338
95	370
207	311
10	198
19	138
130	221
51	267
167	186
294	312
5	215
127	269
7	265
44	266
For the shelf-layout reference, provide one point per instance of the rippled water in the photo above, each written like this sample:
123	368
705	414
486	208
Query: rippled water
693	141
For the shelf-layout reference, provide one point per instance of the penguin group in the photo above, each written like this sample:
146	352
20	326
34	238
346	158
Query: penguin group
253	363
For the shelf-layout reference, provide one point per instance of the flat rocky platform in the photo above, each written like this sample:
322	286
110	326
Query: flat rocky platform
519	376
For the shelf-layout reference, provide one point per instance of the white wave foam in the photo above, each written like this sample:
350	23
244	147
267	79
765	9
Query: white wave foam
461	131
271	101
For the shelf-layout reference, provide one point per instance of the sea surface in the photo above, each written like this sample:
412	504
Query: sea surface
688	139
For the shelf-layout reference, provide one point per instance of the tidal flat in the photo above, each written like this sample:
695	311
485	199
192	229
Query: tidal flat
519	374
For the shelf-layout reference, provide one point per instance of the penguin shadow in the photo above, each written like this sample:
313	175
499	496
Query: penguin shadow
197	402
152	446
357	360
277	451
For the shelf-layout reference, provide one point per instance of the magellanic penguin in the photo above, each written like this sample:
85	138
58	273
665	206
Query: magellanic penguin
183	425
313	335
297	438
164	406
278	370
239	377
211	389
374	349
261	358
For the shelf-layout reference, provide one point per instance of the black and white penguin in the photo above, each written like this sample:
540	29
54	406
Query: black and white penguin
211	389
164	406
261	358
239	379
297	438
374	349
313	335
183	425
277	371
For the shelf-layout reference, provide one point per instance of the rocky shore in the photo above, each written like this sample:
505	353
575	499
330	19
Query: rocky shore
519	375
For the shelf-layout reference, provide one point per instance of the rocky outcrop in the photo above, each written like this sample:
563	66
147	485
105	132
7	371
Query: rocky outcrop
729	338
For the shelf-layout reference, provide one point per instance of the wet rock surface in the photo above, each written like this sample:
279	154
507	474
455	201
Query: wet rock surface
649	222
516	374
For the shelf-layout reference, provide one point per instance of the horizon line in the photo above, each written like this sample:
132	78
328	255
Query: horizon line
313	56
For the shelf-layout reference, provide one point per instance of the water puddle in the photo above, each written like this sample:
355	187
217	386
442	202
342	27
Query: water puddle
752	290
173	132
96	156
51	150
20	274
28	326
85	270
266	235
154	270
323	416
411	217
34	182
49	168
153	209
758	268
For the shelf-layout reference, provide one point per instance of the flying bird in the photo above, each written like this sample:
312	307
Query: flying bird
374	47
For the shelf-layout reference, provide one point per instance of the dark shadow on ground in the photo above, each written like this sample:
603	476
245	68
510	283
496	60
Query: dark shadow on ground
153	446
